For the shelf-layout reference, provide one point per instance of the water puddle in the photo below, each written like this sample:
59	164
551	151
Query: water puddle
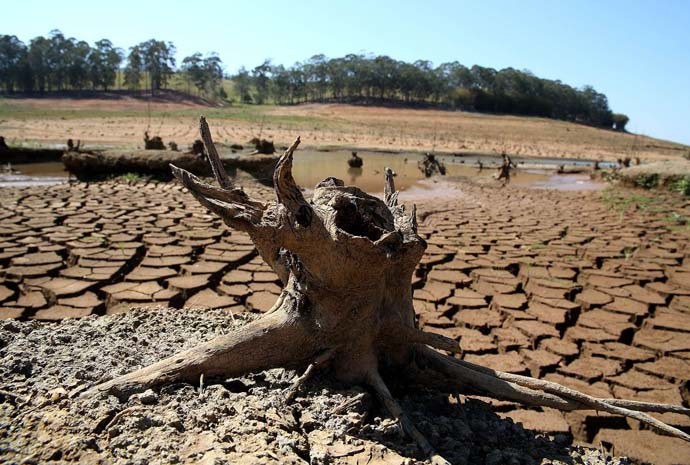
311	167
32	174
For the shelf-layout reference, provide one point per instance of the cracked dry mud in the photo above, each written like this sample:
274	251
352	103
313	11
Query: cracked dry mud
586	290
237	421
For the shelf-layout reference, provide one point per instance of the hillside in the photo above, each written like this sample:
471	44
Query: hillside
122	120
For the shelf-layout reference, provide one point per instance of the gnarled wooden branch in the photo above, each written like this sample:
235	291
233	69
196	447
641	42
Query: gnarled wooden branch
544	393
213	157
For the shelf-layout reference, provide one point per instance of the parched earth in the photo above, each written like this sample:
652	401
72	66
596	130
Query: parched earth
224	421
121	123
591	290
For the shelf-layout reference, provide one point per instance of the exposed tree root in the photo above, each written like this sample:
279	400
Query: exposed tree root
399	414
297	384
346	260
545	393
257	346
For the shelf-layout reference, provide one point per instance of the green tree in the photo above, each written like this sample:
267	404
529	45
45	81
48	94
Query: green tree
205	73
76	58
192	68
242	81
157	61
280	84
134	69
261	78
38	62
103	62
620	121
58	59
13	63
213	72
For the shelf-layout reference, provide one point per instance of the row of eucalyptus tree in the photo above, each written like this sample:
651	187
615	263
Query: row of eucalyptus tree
57	63
381	79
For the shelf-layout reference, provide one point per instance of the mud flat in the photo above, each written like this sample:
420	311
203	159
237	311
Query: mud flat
588	289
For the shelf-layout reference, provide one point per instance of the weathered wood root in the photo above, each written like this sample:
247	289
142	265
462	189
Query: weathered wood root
543	393
399	414
260	345
319	361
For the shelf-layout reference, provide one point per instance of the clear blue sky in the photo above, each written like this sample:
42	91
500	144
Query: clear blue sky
635	52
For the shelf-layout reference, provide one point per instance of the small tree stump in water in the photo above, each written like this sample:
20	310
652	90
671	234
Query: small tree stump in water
263	146
355	161
430	166
504	170
197	147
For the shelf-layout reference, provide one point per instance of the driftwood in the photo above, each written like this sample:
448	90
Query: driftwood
346	261
27	155
156	163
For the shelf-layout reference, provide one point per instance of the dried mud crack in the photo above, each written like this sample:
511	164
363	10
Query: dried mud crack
567	287
235	420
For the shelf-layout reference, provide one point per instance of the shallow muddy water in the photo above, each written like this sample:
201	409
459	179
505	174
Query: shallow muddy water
32	174
310	167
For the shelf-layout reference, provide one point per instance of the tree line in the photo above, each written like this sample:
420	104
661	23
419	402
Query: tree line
57	63
381	79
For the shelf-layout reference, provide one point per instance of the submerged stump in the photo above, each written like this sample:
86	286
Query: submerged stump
430	166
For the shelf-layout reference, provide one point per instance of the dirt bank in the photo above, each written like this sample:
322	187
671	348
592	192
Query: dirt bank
156	163
120	123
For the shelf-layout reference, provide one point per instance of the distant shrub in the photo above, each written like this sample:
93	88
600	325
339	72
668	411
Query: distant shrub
619	121
682	186
129	177
647	181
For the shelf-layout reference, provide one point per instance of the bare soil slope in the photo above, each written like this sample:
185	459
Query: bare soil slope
122	121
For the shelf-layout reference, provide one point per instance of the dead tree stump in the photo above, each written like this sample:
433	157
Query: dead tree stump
346	260
430	166
153	143
355	161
